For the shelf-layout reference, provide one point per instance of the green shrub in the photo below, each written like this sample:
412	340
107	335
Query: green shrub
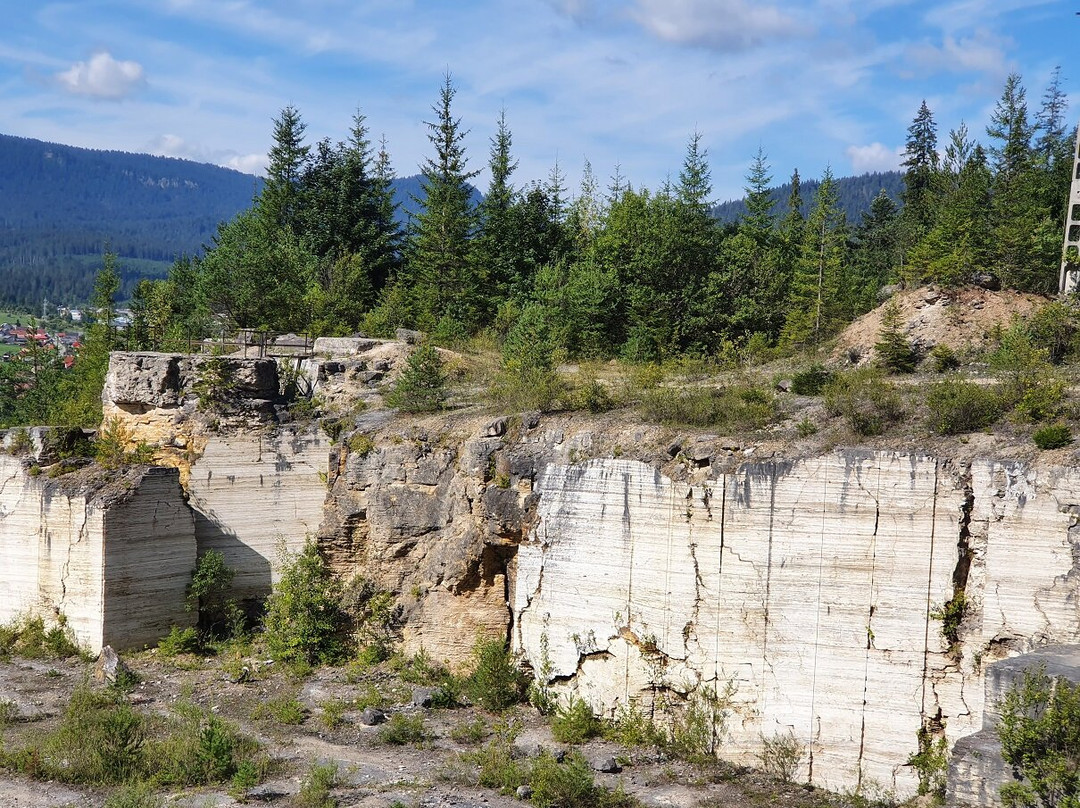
951	614
496	765
421	385
566	784
470	732
957	406
304	620
1040	739
781	754
632	728
284	710
733	409
868	404
193	747
99	740
208	591
1053	436
944	358
403	729
28	637
528	378
811	381
360	444
496	681
931	763
134	795
115	446
593	396
894	353
179	641
1030	385
316	786
574	722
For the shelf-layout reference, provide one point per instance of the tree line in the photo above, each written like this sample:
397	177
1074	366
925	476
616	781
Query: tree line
618	271
614	271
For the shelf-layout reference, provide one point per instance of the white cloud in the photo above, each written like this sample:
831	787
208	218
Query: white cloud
102	77
248	163
724	25
982	52
874	157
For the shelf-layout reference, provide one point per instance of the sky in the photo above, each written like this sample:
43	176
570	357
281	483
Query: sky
622	84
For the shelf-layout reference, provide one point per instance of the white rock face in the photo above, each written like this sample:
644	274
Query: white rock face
255	493
115	564
807	588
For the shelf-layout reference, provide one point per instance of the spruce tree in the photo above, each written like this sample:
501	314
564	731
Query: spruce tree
280	200
921	166
442	284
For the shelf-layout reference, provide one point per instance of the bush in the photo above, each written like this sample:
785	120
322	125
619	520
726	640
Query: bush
316	786
943	358
1053	436
421	386
1040	739
284	710
211	580
402	729
593	396
575	723
304	620
733	409
528	378
111	447
134	795
496	682
894	352
810	382
28	637
565	784
99	740
179	641
781	754
957	406
867	403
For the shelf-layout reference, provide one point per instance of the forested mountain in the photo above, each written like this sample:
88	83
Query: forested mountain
854	195
61	206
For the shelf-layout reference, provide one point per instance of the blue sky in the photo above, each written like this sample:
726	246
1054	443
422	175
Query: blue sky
814	84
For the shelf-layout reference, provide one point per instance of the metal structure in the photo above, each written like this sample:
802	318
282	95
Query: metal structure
1069	280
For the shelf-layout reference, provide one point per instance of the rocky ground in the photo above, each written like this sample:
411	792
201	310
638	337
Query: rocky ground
370	772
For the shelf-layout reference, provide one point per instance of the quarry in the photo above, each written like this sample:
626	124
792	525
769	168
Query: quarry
865	601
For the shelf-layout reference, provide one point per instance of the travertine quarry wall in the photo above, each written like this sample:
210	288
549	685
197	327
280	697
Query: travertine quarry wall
112	556
806	593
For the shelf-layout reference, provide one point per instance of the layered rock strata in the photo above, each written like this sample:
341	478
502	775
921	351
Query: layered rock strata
111	553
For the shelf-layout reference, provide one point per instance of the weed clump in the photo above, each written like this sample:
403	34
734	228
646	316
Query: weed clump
1052	436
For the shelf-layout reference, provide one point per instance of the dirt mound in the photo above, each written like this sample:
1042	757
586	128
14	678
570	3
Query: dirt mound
963	319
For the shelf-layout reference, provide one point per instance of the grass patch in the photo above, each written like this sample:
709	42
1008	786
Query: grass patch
28	637
574	722
403	729
738	408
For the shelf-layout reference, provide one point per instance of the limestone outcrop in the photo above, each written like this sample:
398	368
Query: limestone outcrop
849	600
111	553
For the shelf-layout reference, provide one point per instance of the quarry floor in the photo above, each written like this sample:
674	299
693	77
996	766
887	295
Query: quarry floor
372	774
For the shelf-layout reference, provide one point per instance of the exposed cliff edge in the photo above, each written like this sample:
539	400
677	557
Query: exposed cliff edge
850	598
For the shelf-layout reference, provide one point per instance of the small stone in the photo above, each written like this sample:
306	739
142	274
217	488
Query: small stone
423	696
784	385
408	336
372	716
108	666
523	792
607	765
497	428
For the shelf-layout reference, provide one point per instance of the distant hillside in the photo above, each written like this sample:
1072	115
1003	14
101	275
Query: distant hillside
61	205
855	195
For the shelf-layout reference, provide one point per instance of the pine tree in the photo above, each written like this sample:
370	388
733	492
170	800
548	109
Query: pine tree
440	272
759	219
280	200
497	254
921	164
